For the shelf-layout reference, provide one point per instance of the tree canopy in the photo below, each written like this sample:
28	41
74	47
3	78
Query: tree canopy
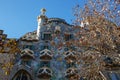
99	33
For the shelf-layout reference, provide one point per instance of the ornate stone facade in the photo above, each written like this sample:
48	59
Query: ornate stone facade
48	53
44	53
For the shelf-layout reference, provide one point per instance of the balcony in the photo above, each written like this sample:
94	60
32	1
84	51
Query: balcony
71	73
46	55
44	73
70	56
27	54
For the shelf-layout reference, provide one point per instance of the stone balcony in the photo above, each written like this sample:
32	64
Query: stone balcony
70	56
27	54
46	55
71	73
44	73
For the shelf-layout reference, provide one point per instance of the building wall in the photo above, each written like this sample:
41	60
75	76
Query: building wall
55	33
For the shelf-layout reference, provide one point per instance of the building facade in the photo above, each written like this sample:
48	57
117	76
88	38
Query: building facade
47	53
43	55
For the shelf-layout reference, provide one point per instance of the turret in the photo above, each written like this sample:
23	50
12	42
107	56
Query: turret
41	21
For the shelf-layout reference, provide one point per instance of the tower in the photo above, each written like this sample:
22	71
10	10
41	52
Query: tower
41	21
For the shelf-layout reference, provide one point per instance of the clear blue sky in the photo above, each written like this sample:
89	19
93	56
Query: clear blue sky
18	17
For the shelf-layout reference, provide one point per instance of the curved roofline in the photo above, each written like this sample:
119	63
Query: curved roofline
57	20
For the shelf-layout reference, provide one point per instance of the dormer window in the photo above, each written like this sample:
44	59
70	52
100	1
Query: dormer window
46	36
68	36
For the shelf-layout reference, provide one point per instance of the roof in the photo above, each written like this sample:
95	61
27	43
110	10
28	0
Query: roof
30	36
57	20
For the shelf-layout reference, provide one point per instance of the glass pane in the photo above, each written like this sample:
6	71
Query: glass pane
113	76
22	76
46	36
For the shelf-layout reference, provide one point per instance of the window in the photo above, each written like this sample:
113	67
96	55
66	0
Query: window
22	75
67	37
44	47
41	70
28	46
72	47
26	63
45	63
66	49
113	76
70	65
98	34
46	36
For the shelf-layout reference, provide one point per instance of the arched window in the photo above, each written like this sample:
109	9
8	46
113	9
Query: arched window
22	75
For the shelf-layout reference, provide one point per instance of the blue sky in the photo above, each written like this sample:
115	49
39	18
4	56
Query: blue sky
18	17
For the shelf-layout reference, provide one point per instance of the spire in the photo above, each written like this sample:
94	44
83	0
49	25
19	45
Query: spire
43	10
42	15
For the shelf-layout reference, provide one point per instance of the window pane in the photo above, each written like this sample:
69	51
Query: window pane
47	36
68	37
113	76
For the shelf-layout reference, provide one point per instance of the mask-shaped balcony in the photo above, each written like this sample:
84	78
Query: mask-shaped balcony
71	72
44	73
27	54
70	56
46	55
